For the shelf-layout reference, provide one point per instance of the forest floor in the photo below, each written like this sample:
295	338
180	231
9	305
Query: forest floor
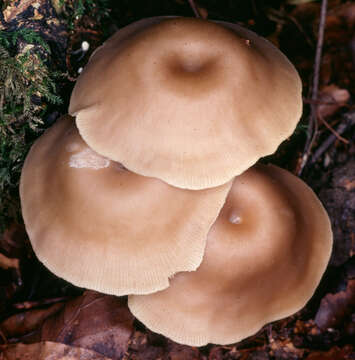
44	317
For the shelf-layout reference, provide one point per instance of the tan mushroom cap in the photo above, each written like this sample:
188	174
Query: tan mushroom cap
188	101
99	226
264	258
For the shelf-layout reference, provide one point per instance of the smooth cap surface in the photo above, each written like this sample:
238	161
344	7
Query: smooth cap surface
99	226
189	101
264	258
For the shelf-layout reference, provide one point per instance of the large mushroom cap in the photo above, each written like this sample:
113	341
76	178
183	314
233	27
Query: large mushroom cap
188	101
264	258
99	226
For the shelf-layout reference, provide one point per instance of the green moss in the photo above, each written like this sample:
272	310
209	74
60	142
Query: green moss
73	10
27	87
29	36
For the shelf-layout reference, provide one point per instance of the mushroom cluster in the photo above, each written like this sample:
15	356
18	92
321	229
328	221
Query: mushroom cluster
149	187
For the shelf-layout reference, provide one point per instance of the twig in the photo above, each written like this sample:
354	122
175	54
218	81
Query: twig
313	123
269	333
76	314
280	17
3	337
335	133
195	9
301	30
33	304
349	121
327	102
255	10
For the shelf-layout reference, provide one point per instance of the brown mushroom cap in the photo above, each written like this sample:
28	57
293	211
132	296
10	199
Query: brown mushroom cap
99	226
264	258
188	101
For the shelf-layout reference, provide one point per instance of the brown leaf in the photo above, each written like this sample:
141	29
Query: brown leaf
333	354
332	98
25	322
216	353
183	352
6	293
14	10
339	200
7	263
49	351
348	184
152	346
347	12
334	308
141	348
93	321
14	241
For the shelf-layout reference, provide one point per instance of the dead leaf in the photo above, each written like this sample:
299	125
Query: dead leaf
298	2
348	184
6	293
25	322
14	10
335	353
183	352
284	348
255	355
334	308
141	348
58	6
332	98
14	241
36	15
49	351
93	321
203	12
216	353
347	12
339	200
7	263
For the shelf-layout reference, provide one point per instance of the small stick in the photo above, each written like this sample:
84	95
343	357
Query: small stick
313	123
327	102
333	131
350	121
195	9
33	304
301	30
76	314
3	337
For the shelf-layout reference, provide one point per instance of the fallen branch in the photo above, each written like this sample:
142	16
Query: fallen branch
349	121
313	121
330	128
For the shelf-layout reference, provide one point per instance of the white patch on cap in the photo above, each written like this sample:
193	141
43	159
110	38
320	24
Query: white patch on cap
88	159
234	218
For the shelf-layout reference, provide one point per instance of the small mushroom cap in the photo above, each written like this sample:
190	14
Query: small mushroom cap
189	101
264	258
99	226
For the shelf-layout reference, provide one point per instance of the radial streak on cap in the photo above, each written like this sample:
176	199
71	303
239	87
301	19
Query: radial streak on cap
188	101
99	226
264	257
